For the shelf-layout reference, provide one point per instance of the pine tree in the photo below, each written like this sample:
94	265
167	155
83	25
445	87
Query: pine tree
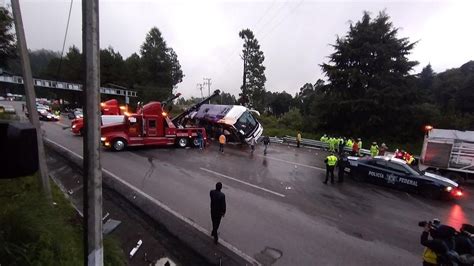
161	68
253	87
370	90
7	37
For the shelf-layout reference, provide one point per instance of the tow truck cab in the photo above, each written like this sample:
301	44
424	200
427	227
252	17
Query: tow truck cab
150	126
108	109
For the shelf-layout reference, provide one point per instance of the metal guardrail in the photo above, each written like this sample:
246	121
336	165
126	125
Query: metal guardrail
312	143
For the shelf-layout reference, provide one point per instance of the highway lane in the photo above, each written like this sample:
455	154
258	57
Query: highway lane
342	224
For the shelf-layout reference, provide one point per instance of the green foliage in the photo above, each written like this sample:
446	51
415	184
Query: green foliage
33	232
370	90
292	119
112	67
7	37
278	103
153	75
253	89
160	65
225	99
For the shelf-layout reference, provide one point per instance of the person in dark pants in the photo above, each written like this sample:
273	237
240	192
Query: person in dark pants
340	175
266	142
331	162
218	208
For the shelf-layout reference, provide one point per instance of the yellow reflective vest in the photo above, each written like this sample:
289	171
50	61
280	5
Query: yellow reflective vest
429	256
331	160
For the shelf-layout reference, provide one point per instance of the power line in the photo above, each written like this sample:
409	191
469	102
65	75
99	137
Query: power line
282	20
65	37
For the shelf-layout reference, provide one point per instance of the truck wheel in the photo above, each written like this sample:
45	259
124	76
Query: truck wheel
182	142
119	145
196	142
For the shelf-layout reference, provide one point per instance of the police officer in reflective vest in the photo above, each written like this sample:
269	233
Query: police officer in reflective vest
331	162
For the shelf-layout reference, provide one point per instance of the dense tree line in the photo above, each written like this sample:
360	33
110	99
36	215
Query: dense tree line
153	74
370	90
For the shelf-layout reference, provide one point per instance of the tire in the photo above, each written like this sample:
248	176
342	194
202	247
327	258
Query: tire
196	142
182	142
119	145
357	176
81	132
430	192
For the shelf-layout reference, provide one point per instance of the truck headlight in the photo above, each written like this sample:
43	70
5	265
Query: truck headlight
102	138
73	126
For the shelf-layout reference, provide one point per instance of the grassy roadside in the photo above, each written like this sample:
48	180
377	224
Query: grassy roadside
32	232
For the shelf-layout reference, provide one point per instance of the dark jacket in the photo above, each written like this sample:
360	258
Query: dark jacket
437	245
266	140
217	203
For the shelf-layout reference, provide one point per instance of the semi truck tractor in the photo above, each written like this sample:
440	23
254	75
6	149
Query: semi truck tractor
449	153
151	126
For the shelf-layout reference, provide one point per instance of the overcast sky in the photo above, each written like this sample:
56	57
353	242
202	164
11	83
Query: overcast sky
295	35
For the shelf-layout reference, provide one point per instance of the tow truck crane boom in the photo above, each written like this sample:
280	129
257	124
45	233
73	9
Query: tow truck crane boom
177	119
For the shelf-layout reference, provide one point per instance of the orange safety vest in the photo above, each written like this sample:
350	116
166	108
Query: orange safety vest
222	139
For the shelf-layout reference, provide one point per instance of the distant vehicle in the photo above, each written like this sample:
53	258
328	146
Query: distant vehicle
44	115
2	98
75	114
151	126
395	173
238	122
448	152
42	106
7	109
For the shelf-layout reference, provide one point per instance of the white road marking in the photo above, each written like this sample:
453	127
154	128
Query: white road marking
196	226
294	163
243	182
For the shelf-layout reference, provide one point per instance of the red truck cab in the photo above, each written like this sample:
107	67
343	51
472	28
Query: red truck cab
149	126
110	107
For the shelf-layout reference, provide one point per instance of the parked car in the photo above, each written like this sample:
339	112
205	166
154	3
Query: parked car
396	173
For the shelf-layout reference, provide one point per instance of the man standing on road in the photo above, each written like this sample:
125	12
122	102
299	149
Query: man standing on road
374	149
218	208
221	142
359	143
331	162
253	142
266	142
340	167
200	140
298	139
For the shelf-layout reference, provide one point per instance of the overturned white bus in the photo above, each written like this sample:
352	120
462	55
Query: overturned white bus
237	122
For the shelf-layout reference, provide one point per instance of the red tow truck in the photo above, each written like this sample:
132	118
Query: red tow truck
152	126
110	110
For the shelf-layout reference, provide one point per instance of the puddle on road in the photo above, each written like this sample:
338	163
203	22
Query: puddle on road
268	256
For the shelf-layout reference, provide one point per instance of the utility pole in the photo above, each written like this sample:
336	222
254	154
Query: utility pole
199	86
244	82
207	81
31	97
93	242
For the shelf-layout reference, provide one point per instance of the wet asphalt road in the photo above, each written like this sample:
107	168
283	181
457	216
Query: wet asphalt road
279	211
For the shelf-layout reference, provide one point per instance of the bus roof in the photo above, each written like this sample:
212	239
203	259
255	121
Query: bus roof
216	113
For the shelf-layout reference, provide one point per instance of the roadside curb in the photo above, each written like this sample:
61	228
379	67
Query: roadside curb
184	229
